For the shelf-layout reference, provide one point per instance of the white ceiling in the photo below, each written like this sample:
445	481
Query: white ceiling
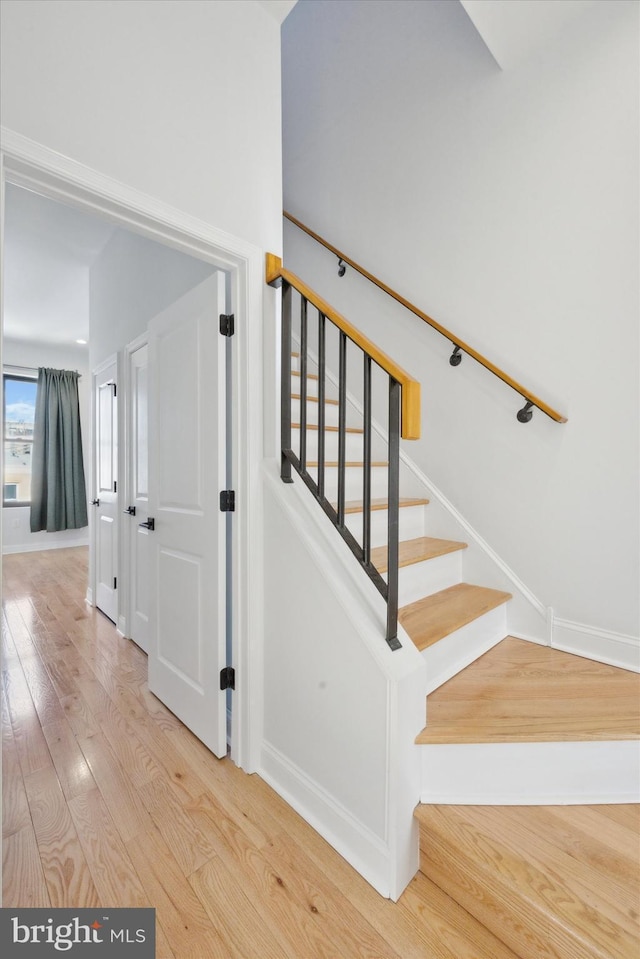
48	250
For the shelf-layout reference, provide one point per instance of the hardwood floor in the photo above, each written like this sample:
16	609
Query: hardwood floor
108	800
522	692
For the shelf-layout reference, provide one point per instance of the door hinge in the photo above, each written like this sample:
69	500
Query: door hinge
227	325
227	501
228	678
115	389
115	487
115	582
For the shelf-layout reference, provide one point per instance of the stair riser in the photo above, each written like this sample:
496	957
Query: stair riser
454	652
411	524
312	385
331	411
354	445
428	577
353	480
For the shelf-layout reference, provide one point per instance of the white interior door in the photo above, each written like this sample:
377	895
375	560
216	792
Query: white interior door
187	544
106	496
138	492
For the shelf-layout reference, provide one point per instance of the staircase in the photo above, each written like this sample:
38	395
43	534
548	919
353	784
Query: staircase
504	718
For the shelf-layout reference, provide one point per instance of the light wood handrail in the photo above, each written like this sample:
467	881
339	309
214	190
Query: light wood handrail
410	416
469	350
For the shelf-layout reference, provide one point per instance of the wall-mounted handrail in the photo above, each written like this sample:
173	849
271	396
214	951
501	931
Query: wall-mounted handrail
524	415
403	418
410	419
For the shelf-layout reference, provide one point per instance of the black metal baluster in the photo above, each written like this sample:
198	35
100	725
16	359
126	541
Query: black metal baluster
322	359
303	385
366	478
393	533
285	392
342	426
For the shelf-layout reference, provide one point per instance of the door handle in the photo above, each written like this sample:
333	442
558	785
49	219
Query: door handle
131	510
150	524
95	502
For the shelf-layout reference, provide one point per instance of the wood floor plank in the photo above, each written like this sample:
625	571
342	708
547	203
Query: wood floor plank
179	911
120	797
31	746
15	808
111	868
190	845
70	764
65	868
231	910
23	882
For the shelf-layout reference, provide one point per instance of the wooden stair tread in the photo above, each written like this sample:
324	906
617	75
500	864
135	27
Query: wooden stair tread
416	551
548	881
523	692
329	429
436	616
354	463
355	505
310	376
315	399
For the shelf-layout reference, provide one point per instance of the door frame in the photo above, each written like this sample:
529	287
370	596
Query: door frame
96	375
31	165
128	528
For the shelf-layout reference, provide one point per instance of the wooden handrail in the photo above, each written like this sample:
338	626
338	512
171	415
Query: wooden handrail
410	416
530	397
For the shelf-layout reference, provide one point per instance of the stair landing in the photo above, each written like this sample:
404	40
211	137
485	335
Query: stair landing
523	692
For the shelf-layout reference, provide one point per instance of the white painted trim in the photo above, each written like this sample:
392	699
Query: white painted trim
38	547
32	165
602	645
525	774
366	852
89	596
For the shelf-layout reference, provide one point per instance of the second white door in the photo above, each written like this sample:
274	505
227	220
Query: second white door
187	543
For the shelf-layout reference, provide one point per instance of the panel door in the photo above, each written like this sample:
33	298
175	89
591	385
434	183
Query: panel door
186	474
138	500
106	496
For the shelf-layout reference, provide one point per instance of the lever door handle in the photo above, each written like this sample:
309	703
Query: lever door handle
150	524
95	502
131	510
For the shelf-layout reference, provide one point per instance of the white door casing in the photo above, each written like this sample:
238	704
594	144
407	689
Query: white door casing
33	165
105	530
137	491
187	544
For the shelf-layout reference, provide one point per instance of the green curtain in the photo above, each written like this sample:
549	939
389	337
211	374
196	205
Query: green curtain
58	497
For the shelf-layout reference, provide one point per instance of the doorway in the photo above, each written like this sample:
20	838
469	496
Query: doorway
54	177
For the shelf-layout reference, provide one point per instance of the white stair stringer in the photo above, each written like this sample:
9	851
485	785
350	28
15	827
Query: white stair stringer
530	774
459	649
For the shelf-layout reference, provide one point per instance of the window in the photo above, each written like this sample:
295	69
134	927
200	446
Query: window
19	413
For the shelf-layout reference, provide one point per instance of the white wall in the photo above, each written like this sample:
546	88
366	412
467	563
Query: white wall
16	533
131	281
505	205
177	98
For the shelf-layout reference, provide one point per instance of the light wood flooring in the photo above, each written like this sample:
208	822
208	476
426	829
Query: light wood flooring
109	801
522	692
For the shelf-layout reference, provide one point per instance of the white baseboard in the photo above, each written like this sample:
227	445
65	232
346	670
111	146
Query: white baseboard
367	853
525	774
42	547
615	649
